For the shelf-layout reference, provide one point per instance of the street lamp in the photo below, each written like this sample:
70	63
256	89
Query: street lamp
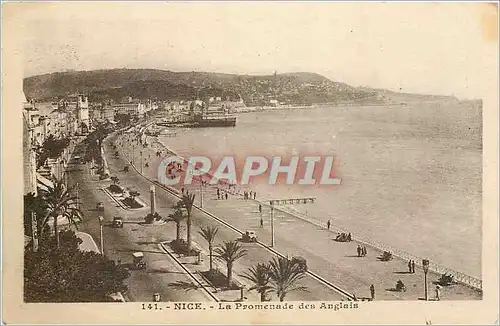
425	266
141	162
101	222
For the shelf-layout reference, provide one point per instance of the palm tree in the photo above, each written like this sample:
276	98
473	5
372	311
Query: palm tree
209	234
59	201
177	216
132	194
187	202
284	275
34	205
230	252
259	276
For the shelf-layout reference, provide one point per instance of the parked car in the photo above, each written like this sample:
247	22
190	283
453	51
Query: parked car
302	262
249	236
139	262
117	222
100	206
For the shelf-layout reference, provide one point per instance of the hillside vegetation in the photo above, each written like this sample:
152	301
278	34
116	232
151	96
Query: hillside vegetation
115	84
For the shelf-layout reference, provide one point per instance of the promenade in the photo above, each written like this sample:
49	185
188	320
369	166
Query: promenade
335	261
165	202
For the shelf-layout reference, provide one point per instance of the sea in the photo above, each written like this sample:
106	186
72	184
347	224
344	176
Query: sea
411	173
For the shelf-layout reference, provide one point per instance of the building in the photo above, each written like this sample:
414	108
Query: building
82	114
30	117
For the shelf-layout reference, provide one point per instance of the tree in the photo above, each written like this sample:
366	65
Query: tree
230	252
177	216
209	233
133	194
66	274
284	275
187	202
60	202
34	205
152	217
259	276
52	147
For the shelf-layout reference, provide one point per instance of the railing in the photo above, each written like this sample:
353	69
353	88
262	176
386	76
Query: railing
458	276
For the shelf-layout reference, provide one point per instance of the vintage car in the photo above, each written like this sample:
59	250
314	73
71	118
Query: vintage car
117	222
301	262
249	236
139	262
100	206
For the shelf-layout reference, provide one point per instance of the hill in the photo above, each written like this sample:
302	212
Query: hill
297	88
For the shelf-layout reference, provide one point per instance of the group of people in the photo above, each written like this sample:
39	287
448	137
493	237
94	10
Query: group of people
411	266
222	195
361	251
249	195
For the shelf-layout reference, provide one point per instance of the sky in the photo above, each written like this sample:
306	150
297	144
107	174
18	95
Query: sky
412	47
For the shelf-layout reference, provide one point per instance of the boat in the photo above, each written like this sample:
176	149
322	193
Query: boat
214	120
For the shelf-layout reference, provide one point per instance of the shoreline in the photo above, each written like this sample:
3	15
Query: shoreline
464	278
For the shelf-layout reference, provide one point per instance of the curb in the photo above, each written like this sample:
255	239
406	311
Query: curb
165	250
106	191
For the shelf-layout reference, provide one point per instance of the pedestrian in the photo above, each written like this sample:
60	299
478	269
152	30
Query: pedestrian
438	292
372	291
349	237
364	251
260	208
226	196
409	266
261	222
413	267
182	189
254	195
328	225
358	249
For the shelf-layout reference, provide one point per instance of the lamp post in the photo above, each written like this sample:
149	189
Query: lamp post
101	222
77	198
425	266
141	162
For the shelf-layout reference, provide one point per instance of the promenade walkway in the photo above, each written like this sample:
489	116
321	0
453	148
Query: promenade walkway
144	238
335	261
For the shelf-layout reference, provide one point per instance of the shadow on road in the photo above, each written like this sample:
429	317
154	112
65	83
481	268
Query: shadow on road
182	285
163	271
